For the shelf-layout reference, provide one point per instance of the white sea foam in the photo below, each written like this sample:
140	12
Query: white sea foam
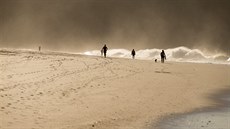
179	54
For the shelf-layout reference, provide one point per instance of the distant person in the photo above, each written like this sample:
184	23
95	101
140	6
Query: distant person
39	48
163	56
105	50
155	60
133	53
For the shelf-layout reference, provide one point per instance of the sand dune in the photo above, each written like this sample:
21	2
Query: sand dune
51	90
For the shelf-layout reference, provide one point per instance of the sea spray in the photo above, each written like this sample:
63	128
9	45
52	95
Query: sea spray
178	54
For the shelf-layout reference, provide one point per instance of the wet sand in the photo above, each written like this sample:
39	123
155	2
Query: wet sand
213	117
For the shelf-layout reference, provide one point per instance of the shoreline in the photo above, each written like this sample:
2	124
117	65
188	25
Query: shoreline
222	104
6	51
88	92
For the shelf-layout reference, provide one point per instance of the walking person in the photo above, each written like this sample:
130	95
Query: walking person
163	56
105	50
133	53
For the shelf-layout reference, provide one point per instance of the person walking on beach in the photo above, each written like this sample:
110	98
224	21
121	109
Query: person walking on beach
163	56
133	53
105	50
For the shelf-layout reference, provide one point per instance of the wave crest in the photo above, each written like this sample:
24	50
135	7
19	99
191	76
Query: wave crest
173	54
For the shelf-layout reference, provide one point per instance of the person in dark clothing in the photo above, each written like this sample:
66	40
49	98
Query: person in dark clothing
163	56
39	48
133	53
105	50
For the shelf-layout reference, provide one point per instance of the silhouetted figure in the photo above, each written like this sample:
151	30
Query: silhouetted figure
105	50
39	48
163	56
133	53
155	60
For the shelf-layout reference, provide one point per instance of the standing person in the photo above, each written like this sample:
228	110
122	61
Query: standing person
133	53
105	50
39	48
163	56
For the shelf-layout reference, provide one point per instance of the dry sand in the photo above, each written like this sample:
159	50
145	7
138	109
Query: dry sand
64	91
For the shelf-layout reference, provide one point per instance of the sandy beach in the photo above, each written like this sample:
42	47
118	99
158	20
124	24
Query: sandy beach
213	117
66	91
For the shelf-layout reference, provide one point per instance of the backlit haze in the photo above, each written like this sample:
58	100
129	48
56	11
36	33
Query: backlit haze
86	25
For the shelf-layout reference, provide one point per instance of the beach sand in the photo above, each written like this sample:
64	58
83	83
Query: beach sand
66	91
213	117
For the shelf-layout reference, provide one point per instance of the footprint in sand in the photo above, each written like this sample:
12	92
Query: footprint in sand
162	72
9	76
9	104
22	98
40	93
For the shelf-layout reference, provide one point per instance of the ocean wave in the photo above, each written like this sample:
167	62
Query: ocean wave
179	54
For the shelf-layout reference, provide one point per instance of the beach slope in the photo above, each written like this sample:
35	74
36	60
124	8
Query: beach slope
51	90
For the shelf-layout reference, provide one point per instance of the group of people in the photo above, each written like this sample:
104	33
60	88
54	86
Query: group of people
133	53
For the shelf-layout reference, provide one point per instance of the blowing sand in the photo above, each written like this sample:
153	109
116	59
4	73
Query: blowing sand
64	91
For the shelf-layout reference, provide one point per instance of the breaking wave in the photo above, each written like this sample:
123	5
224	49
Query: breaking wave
179	54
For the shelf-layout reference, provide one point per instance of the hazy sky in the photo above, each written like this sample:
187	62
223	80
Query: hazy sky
79	25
